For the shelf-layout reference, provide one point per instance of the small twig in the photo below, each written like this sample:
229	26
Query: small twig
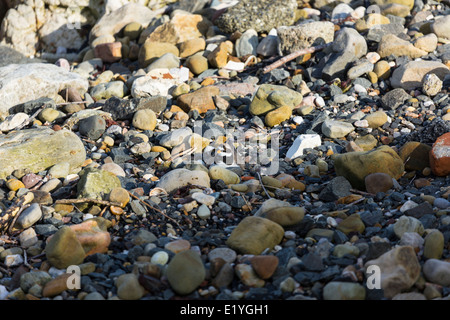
247	203
17	216
25	260
183	153
83	200
294	55
363	193
153	208
68	103
262	185
355	202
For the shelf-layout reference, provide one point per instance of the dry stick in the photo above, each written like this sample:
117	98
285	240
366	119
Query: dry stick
294	55
15	218
363	193
260	181
83	200
157	210
26	122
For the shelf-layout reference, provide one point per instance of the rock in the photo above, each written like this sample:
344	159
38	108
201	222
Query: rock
341	250
269	205
440	156
437	271
14	120
254	234
412	239
119	195
181	177
376	119
407	224
29	279
382	69
180	28
355	166
96	183
144	119
113	22
185	272
34	80
92	127
109	52
160	257
336	290
275	117
229	177
409	296
393	45
64	249
399	268
151	51
360	69
347	47
247	43
427	43
143	237
203	212
167	60
113	168
302	142
269	45
410	76
441	27
434	245
43	147
432	85
200	100
175	137
264	266
336	129
132	30
352	223
125	109
285	216
56	286
128	287
305	35
218	58
378	182
415	155
29	216
248	276
28	238
177	246
197	64
395	98
189	47
337	188
269	97
247	15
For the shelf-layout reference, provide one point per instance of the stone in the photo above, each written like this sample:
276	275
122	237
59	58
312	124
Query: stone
302	142
336	290
34	80
121	109
427	43
337	188
185	272
382	69
15	120
59	170
347	47
181	177
92	127
269	45
189	47
63	249
376	119
119	195
160	257
114	21
305	35
248	276
107	90
200	100
96	183
285	216
360	69
355	166
433	245
197	64
43	147
432	85
29	279
144	119
203	212
399	268
177	246
395	98
166	61
128	287
247	43
412	239
393	45
336	129
217	172
415	155
218	58
109	52
407	224
132	30
264	266
143	236
440	156
378	182
248	15
270	97
254	234
56	286
113	168
151	51
341	250
352	223
410	75
28	238
29	216
275	117
437	271
441	27
175	137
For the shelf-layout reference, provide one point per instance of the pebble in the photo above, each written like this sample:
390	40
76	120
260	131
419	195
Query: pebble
185	272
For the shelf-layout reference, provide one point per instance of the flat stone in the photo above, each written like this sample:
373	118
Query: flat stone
343	291
410	76
437	271
185	272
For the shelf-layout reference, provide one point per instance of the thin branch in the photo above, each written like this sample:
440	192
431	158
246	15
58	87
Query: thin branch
363	193
294	55
262	185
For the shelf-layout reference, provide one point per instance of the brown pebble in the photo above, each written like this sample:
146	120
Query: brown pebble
178	245
264	266
421	182
378	182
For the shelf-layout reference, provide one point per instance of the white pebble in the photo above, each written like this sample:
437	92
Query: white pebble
332	222
203	212
289	234
160	257
360	89
319	102
13	260
87	216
